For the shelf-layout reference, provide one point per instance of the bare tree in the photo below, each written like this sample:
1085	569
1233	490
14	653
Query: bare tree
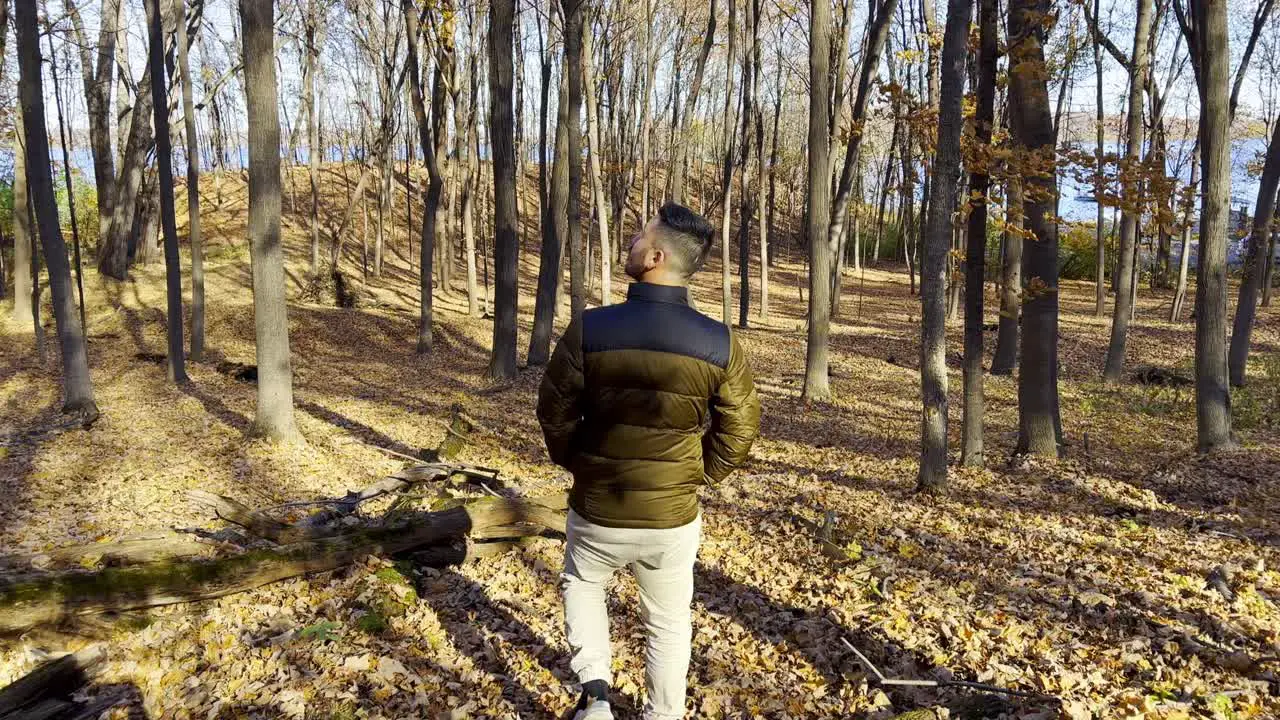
1031	125
818	214
595	153
97	74
164	160
77	386
311	24
24	237
113	247
431	202
1180	294
193	186
1255	261
726	183
572	13
972	453
502	364
1206	31
682	136
552	196
937	241
1129	210
274	417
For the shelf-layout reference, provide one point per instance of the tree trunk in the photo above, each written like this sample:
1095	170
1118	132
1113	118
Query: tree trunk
472	183
572	10
193	189
1255	261
274	417
595	154
310	30
1268	272
818	213
726	183
972	453
502	364
646	118
750	120
1031	126
1129	212
164	178
1100	272
680	151
76	382
1175	309
431	203
113	248
553	222
97	73
937	243
877	38
1006	354
23	234
1213	396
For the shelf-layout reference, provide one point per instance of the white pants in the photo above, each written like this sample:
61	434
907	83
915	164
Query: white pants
662	561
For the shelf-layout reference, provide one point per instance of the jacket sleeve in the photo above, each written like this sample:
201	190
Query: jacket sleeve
560	396
735	418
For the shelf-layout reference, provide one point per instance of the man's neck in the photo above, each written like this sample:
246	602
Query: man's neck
662	277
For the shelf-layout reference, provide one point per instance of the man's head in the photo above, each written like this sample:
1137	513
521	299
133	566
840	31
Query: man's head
671	247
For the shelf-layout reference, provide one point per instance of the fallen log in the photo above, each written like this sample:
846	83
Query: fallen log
51	599
46	689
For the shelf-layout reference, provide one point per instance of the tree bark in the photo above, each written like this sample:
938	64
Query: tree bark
595	154
972	453
164	178
431	203
750	120
1268	272
876	40
1184	261
572	10
680	151
1100	272
274	417
556	198
310	32
502	364
726	183
193	188
472	184
937	243
76	383
1213	396
1255	261
97	74
23	235
818	214
1031	125
113	248
1130	212
1006	354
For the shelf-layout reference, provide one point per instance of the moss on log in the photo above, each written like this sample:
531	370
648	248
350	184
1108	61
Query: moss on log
51	599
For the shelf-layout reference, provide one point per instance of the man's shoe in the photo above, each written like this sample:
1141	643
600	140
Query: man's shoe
595	710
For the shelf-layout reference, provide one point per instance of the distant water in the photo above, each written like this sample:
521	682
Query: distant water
1077	203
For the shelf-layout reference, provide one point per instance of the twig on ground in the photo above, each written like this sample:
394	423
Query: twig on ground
880	679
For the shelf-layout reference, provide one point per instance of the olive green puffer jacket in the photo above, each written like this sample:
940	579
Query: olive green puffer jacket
643	402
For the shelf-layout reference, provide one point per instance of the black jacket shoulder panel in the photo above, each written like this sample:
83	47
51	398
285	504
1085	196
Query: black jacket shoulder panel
659	326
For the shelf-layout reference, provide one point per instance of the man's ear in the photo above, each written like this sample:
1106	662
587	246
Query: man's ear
658	257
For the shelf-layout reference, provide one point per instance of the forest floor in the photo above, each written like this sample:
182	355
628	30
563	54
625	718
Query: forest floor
1086	578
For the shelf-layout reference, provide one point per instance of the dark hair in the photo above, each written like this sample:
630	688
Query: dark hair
687	235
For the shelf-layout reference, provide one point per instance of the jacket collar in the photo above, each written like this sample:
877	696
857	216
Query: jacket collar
649	292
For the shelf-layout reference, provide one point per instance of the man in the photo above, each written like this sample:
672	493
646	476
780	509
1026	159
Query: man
623	406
